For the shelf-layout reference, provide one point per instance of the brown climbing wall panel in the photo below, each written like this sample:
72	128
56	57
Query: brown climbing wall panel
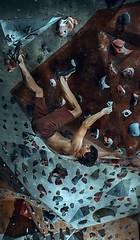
91	50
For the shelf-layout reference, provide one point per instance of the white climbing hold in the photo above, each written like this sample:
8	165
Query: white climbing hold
53	82
103	83
107	142
95	133
62	102
128	72
109	103
73	63
126	113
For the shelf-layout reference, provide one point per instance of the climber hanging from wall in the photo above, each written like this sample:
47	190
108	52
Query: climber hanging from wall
46	125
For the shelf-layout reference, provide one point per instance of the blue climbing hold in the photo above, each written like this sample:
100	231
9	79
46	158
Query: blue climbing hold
124	19
134	129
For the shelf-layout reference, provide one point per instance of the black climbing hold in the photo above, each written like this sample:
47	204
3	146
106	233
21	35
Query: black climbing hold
101	232
95	174
72	205
104	171
34	177
35	163
4	126
84	180
15	115
80	201
82	222
34	150
5	106
73	190
26	125
13	100
82	192
66	189
3	98
43	173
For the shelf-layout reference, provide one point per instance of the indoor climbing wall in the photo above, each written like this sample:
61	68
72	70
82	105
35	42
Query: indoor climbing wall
106	73
118	229
80	195
28	210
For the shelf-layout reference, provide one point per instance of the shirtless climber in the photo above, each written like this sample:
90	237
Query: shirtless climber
46	125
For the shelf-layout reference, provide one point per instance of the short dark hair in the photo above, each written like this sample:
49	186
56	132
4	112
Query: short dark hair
89	158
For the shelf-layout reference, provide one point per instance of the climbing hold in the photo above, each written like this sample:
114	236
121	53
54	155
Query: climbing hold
73	64
124	19
104	212
128	72
41	189
84	180
79	98
126	113
4	149
134	99
62	101
65	188
109	103
111	69
43	173
26	124
87	113
72	205
24	167
65	26
34	144
82	191
14	155
95	174
92	234
13	100
52	82
39	58
120	90
103	83
35	163
138	155
44	47
94	133
107	142
120	151
67	73
119	48
28	136
80	201
134	129
83	222
25	181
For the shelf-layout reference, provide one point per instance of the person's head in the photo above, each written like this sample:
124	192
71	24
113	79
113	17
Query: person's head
87	155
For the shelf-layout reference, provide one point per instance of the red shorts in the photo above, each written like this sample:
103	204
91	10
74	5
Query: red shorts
45	124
